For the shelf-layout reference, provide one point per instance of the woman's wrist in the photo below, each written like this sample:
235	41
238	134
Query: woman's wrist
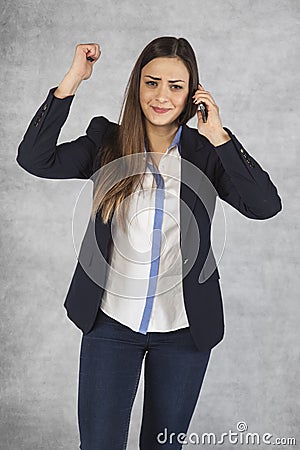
68	86
220	139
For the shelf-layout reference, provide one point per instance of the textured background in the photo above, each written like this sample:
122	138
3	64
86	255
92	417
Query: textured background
247	53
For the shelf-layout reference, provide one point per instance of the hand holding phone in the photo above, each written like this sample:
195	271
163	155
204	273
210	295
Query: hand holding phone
213	130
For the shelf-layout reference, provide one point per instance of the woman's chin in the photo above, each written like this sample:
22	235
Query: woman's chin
161	121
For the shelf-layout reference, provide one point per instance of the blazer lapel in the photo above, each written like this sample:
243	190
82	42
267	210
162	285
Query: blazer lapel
191	145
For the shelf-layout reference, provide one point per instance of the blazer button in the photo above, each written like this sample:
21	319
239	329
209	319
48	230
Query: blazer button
185	261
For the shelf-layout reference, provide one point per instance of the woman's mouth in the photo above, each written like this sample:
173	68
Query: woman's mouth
160	110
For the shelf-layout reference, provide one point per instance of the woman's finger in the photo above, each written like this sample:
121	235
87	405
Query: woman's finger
205	99
98	51
91	53
203	96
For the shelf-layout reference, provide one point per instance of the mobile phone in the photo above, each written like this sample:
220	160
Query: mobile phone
203	109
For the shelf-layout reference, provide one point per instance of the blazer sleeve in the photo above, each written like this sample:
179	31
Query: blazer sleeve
241	181
38	152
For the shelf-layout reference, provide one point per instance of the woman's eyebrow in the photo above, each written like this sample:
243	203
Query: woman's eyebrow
170	81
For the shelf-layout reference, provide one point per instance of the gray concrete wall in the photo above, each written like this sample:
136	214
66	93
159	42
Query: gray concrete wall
247	53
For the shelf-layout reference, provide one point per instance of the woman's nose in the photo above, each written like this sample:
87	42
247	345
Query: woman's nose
162	94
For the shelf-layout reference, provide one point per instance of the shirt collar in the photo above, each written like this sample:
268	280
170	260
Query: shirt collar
176	140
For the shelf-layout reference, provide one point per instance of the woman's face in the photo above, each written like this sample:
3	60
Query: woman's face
164	90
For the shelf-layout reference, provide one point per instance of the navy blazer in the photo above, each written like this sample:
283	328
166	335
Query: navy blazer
227	171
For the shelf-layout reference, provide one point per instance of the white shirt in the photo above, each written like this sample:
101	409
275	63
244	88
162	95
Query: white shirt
144	283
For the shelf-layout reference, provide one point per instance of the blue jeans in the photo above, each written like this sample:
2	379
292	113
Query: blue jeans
111	359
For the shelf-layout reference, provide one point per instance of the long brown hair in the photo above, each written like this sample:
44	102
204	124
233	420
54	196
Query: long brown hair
112	187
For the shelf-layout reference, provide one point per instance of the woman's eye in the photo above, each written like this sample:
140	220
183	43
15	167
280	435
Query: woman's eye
154	83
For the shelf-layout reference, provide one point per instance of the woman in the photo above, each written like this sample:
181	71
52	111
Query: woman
143	285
